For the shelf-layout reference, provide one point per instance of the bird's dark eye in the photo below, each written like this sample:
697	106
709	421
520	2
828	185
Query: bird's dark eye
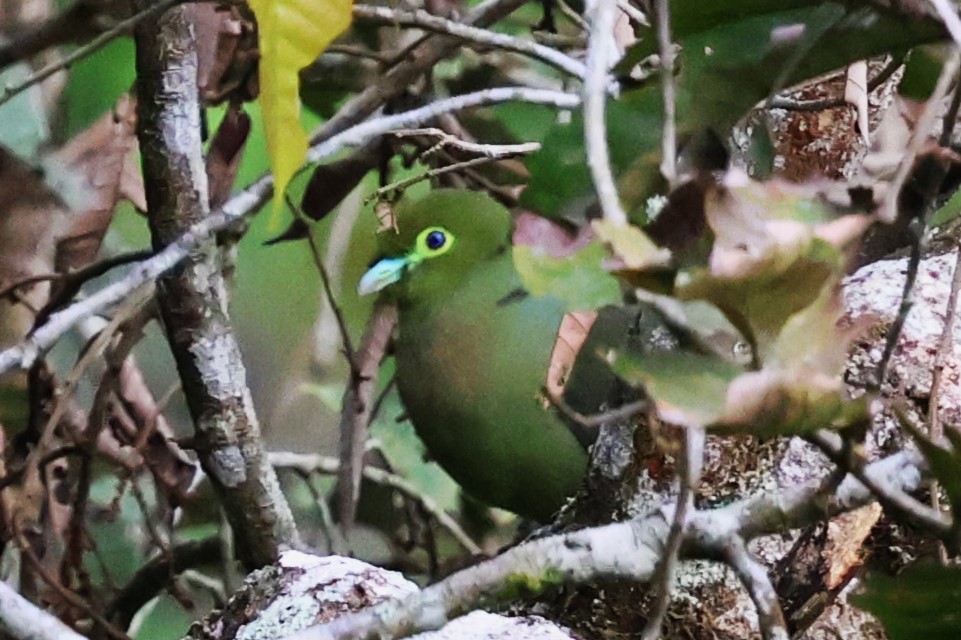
435	240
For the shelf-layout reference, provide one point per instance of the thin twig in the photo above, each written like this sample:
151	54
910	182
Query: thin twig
357	407
633	13
888	210
689	476
662	15
493	151
948	13
93	46
623	412
780	102
758	584
572	15
388	191
946	346
316	463
425	20
315	251
600	56
361	133
68	596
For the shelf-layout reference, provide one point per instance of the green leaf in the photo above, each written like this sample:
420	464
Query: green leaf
560	185
579	280
292	34
688	389
948	211
922	602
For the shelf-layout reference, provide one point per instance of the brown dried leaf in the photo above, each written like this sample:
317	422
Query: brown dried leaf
226	52
844	549
103	156
32	217
226	153
571	336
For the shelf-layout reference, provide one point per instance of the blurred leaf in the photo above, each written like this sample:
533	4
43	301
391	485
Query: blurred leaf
922	602
687	388
560	184
776	246
292	34
800	391
23	122
92	172
948	211
578	280
631	246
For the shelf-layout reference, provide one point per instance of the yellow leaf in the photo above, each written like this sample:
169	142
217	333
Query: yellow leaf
292	34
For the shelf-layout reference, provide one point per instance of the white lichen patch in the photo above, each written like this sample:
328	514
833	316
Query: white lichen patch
873	294
480	625
318	588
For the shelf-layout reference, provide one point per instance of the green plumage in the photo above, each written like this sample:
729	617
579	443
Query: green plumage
472	354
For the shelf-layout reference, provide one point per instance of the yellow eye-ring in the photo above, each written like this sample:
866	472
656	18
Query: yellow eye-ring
432	242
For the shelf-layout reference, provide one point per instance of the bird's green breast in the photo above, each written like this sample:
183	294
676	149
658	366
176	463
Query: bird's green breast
471	364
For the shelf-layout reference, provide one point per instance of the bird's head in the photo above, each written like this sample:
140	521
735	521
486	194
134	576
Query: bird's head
440	238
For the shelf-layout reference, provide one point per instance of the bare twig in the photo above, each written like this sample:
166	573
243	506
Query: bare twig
887	212
357	135
948	13
387	191
328	288
91	47
493	151
409	65
316	463
600	56
150	579
425	20
633	13
689	475
946	346
662	15
756	580
780	102
357	408
624	412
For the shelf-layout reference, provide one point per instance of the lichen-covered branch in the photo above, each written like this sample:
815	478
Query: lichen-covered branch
622	550
193	297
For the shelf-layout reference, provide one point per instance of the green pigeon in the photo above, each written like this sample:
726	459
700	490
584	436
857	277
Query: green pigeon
472	350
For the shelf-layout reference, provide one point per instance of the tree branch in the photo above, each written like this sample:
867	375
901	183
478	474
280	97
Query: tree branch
193	297
623	550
